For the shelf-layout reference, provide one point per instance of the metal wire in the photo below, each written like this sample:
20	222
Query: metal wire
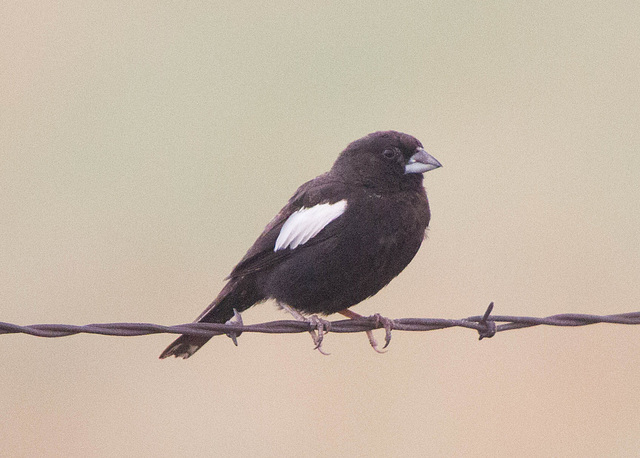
486	325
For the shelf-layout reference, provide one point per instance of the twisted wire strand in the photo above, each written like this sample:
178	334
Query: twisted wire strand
486	325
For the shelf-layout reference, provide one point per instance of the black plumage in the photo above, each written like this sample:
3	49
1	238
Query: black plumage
341	238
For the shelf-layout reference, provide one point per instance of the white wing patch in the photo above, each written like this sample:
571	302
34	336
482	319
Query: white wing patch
305	224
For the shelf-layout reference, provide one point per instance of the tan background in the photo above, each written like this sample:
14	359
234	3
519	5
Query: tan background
145	146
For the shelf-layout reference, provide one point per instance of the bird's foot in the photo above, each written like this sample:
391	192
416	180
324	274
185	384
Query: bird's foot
237	319
320	325
374	343
387	323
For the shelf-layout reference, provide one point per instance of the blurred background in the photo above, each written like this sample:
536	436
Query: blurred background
144	146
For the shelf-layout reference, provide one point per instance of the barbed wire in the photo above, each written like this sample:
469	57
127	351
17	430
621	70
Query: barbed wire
486	325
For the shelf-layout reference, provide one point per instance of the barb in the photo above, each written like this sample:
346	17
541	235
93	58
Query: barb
485	325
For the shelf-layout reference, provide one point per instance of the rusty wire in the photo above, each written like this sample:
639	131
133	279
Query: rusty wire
486	325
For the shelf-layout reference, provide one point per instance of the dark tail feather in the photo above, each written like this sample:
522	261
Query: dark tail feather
184	346
234	295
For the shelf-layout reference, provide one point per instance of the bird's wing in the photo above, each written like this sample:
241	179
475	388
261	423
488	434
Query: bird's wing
269	249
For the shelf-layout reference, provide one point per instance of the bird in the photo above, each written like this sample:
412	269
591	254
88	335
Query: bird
340	239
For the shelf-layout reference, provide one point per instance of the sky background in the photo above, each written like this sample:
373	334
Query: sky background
144	146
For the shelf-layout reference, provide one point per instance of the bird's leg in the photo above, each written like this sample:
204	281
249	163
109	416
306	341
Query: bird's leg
237	319
354	316
320	324
386	322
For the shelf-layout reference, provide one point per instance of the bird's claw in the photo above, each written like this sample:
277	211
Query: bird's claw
322	327
387	324
317	323
373	342
237	319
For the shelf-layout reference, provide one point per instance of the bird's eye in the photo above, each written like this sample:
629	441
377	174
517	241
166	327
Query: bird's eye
389	153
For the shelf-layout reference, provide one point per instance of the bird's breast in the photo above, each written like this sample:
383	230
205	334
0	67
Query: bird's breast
385	230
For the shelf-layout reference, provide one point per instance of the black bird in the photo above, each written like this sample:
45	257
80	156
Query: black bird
341	238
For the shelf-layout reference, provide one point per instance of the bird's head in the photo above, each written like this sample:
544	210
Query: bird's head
385	159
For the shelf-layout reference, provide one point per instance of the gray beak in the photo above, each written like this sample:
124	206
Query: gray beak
421	162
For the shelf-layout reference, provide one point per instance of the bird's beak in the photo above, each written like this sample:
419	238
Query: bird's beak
421	162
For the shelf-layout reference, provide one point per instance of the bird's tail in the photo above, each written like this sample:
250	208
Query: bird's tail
184	346
233	296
